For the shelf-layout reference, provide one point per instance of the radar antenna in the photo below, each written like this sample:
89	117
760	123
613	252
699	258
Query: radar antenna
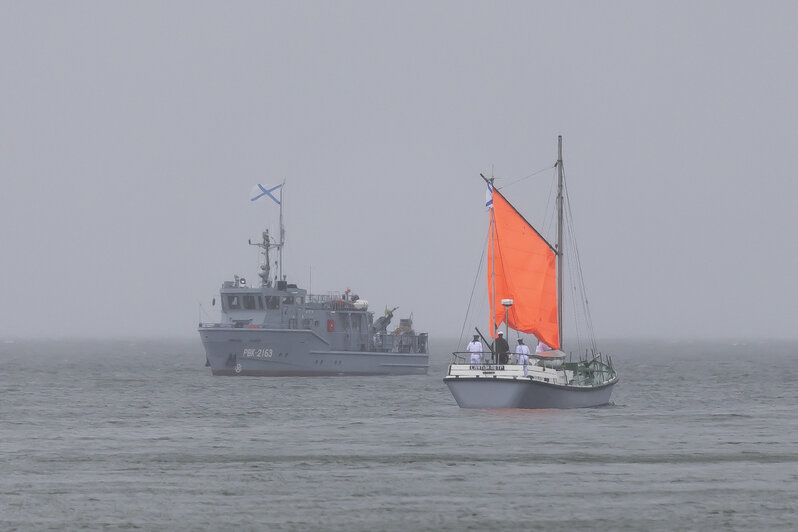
264	270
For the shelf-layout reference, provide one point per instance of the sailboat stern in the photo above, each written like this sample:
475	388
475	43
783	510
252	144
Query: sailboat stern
508	387
473	392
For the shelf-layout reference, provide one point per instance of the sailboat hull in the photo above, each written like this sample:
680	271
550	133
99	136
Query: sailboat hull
486	392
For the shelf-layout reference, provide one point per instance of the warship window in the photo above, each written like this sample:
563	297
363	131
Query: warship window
299	300
233	303
249	302
272	302
260	303
288	300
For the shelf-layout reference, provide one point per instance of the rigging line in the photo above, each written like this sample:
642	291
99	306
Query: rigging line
573	284
528	176
576	321
204	312
586	301
579	289
581	335
578	261
549	217
473	288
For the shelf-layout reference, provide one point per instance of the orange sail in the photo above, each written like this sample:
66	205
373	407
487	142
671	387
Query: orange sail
522	266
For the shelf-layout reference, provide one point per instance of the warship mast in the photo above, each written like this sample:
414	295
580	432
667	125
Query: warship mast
282	235
264	271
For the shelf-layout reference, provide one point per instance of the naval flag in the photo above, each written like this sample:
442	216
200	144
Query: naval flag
264	191
489	197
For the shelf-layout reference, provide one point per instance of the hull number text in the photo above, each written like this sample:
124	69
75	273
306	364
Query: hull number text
260	352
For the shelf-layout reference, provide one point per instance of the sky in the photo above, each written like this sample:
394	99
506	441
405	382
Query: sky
131	134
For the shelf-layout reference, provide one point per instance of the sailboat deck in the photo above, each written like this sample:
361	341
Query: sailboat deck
571	374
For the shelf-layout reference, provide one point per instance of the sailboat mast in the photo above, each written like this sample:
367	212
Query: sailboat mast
493	270
282	232
559	237
491	234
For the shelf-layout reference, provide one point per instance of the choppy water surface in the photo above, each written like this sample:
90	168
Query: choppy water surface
120	434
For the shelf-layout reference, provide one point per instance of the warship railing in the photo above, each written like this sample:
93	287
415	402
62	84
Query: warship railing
382	343
324	298
401	343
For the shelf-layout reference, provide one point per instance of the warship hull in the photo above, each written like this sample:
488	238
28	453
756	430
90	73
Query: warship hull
486	392
289	352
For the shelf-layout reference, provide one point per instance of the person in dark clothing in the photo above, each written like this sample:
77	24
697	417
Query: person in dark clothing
502	349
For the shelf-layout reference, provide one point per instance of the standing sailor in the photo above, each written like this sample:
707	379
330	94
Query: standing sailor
522	352
475	348
502	349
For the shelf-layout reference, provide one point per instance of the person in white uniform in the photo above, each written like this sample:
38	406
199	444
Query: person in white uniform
475	348
522	353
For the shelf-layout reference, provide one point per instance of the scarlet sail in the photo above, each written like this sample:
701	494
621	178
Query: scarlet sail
522	266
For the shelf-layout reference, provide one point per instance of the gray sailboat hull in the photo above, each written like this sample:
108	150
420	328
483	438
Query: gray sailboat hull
291	352
487	392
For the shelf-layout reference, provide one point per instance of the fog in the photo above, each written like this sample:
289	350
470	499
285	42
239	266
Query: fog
131	135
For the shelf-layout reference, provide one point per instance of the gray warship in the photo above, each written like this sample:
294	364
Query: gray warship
279	329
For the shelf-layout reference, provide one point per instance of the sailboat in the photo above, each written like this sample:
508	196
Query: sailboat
525	291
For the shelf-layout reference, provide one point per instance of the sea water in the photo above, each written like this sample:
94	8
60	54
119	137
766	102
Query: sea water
139	434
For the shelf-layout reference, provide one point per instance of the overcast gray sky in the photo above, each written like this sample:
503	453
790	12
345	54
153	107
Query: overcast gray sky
131	134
